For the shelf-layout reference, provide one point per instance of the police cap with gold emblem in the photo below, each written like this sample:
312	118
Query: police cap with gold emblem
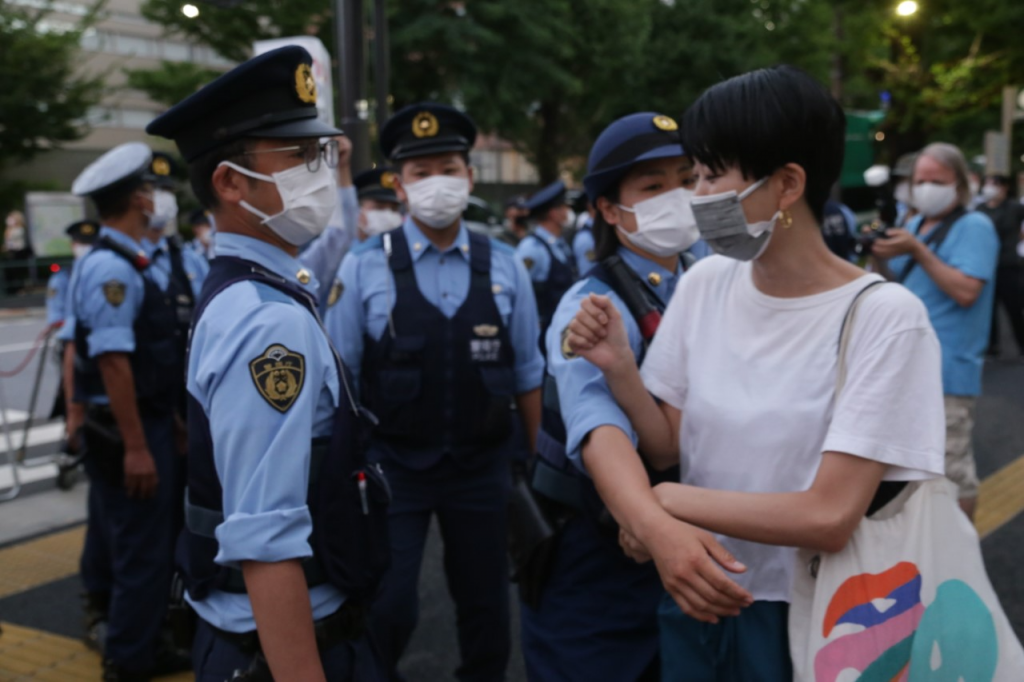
163	170
377	184
271	95
122	169
426	128
626	142
83	231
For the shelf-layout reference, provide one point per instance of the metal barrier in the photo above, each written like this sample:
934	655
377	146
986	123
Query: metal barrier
26	276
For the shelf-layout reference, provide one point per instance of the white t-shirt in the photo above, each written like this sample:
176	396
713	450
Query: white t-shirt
755	378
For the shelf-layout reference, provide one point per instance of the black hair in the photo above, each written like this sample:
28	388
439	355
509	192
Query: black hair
762	120
115	201
606	238
200	170
1003	181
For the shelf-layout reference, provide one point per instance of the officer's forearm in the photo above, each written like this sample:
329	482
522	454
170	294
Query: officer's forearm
529	407
68	378
284	619
116	370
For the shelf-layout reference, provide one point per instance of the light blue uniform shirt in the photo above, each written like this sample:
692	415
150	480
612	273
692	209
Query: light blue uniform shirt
195	266
972	247
56	296
262	455
536	257
583	246
322	257
585	400
368	296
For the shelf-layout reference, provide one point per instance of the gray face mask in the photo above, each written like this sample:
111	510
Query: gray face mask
724	226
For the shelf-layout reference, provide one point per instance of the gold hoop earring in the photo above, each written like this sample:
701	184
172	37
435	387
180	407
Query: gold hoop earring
786	220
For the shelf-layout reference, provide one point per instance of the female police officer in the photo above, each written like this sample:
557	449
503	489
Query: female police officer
597	615
442	325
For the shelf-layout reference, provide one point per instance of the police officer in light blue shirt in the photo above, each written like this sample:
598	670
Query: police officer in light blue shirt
442	325
124	335
544	251
596	614
285	537
583	245
82	234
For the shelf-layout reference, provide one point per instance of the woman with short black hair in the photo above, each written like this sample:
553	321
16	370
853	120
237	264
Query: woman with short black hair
743	372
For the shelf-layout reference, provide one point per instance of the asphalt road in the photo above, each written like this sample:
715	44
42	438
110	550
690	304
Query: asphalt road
433	654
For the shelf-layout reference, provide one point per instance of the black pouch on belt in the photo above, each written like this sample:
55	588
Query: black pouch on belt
533	533
103	443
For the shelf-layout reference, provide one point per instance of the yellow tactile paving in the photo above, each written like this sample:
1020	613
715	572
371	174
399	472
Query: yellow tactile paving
28	654
1000	497
41	561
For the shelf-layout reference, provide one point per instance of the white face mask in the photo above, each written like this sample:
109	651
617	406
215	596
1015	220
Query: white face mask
308	200
990	192
165	212
933	199
665	225
723	224
79	250
570	219
902	193
438	201
379	221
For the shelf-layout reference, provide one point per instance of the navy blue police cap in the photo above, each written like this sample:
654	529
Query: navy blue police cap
546	198
163	170
378	184
83	231
626	142
426	128
271	95
199	217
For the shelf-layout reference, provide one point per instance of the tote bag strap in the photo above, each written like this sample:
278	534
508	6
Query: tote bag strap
846	331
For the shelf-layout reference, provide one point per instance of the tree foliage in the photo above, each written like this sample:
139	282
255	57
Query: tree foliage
43	98
548	75
171	82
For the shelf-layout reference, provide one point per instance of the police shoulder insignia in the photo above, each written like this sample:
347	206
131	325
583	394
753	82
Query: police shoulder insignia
387	180
528	262
335	293
567	351
666	123
278	375
425	125
590	255
113	291
485	330
51	292
305	85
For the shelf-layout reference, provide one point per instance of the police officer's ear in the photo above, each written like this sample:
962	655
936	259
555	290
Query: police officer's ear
229	186
609	211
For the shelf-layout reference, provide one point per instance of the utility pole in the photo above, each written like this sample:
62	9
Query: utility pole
381	63
348	17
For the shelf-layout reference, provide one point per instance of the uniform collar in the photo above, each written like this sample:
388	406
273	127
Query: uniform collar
546	236
650	272
120	238
154	247
419	244
267	255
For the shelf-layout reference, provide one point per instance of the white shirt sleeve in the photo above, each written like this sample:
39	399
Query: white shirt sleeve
891	408
664	366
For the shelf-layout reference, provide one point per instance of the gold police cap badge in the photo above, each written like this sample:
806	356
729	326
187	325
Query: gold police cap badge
87	229
387	180
278	374
305	85
666	123
113	291
161	167
425	124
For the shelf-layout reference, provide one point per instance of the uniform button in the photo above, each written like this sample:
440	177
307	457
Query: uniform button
442	260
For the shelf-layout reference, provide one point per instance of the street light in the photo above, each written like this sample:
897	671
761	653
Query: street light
190	11
907	8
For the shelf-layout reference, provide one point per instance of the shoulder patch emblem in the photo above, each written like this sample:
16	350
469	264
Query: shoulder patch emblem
113	291
278	375
567	351
51	292
590	255
528	262
335	293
